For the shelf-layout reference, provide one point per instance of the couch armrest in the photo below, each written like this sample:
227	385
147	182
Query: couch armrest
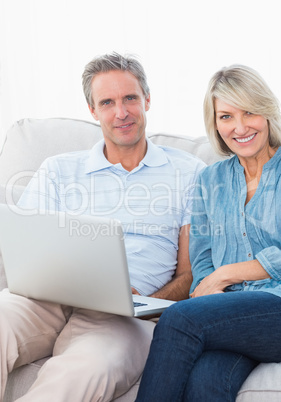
3	280
8	195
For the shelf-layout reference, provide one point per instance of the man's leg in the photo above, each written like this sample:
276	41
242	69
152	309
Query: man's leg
240	322
28	331
97	357
217	376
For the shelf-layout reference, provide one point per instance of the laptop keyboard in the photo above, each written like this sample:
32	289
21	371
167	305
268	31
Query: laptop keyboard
137	304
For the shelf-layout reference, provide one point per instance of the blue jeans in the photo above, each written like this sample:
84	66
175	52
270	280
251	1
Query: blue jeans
204	348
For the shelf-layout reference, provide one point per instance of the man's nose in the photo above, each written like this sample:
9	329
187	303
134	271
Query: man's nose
121	111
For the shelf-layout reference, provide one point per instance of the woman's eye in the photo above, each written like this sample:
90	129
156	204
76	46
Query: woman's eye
225	117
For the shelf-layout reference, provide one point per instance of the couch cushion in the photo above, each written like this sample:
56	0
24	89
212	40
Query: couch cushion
20	380
262	385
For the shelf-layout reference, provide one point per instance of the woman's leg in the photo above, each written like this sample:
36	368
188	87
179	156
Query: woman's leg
240	322
219	374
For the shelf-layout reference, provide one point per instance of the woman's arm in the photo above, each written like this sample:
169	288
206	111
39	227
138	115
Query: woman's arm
266	265
228	275
200	237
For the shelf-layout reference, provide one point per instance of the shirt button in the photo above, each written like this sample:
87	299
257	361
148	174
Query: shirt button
249	255
244	234
245	283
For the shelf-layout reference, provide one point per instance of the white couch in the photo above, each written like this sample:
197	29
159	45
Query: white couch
28	143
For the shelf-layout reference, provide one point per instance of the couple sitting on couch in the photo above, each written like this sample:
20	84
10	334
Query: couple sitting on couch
228	330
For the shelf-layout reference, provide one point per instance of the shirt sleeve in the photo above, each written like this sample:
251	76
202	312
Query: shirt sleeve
200	237
270	259
41	193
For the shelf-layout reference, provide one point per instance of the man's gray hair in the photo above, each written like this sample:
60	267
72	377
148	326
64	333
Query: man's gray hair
109	62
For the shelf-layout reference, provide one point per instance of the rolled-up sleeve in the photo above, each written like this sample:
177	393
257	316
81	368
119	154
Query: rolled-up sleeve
270	259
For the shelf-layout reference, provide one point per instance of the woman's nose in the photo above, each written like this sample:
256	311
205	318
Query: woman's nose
240	127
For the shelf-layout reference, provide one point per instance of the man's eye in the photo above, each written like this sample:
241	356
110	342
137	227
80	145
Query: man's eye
130	98
106	102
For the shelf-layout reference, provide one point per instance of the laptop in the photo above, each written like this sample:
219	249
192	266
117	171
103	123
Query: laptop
75	260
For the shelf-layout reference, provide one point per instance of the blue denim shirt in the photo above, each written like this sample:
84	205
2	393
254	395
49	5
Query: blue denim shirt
224	230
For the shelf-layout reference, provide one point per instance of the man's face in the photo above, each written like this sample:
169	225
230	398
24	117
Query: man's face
120	106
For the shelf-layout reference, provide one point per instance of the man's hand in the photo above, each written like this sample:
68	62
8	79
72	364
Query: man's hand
134	291
178	288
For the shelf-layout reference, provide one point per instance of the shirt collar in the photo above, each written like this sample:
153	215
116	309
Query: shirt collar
268	165
155	156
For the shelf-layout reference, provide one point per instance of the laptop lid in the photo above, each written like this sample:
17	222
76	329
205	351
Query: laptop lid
76	260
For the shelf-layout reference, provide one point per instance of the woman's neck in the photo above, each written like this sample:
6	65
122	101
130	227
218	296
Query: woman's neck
253	167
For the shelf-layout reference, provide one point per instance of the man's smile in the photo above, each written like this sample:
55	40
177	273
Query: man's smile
123	126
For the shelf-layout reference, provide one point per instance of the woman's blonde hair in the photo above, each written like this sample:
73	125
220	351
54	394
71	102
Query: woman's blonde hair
243	88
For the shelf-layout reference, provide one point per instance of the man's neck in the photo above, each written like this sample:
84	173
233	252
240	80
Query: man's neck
128	156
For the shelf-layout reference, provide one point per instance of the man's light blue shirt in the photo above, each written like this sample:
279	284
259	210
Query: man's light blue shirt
224	229
153	202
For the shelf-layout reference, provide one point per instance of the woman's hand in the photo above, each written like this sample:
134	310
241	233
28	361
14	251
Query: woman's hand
213	283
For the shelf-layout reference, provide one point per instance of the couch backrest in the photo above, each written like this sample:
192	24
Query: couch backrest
30	141
199	146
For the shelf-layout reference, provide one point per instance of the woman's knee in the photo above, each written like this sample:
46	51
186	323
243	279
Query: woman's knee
183	317
217	376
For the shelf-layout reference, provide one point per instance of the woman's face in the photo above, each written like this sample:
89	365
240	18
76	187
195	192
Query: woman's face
246	134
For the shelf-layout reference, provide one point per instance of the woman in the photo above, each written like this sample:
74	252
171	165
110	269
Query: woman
205	347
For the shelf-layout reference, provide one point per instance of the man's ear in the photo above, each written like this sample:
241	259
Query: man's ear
93	112
147	103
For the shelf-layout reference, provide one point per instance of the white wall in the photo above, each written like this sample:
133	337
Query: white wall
181	43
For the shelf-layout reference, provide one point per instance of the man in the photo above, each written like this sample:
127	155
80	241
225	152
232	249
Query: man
98	356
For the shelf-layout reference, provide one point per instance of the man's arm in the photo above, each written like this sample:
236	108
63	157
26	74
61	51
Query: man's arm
178	287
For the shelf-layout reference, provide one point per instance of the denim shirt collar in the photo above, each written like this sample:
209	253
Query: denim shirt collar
268	165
